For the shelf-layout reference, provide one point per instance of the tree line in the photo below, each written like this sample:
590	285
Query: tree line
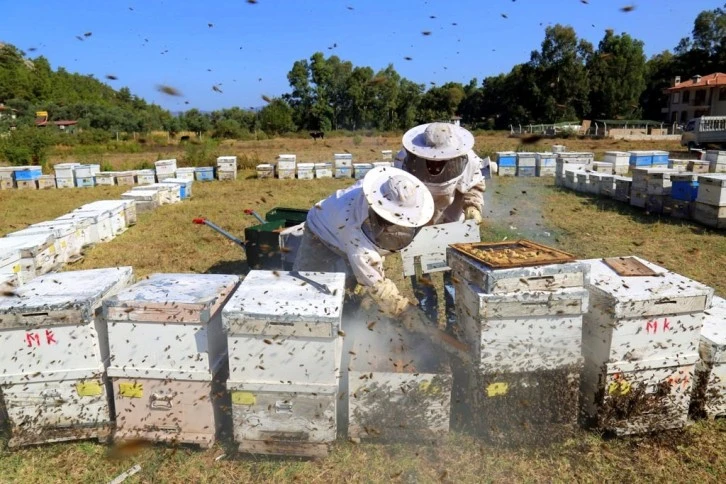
566	79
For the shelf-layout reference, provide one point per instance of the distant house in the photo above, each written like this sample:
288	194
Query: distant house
64	125
699	96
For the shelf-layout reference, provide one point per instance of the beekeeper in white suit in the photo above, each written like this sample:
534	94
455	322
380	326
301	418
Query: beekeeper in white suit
354	229
441	156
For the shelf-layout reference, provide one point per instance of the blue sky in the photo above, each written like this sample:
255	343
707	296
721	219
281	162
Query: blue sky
250	48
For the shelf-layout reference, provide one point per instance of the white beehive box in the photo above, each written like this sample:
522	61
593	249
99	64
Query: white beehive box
617	158
361	169
659	183
117	212
106	178
168	192
46	182
68	241
55	350
583	182
38	254
286	174
10	265
84	171
145	177
526	159
125	178
522	332
607	185
399	387
549	277
712	189
344	160
185	186
698	166
65	170
92	226
82	227
265	170
227	163
711	215
558	148
710	389
128	206
323	170
678	165
305	171
602	167
286	162
223	175
64	182
642	317
165	167
104	221
382	164
168	355
595	185
284	342
185	173
576	158
716	161
145	200
623	185
386	154
638	397
638	197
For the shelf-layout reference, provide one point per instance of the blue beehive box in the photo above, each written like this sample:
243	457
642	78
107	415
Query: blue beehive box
28	174
660	158
507	159
526	171
204	173
85	182
684	186
642	158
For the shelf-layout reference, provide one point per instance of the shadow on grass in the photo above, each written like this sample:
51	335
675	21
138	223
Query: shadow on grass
237	267
637	214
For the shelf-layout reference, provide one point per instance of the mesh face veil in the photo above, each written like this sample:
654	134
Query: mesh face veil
434	171
386	235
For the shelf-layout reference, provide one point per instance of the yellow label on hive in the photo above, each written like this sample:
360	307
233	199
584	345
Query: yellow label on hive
619	387
243	398
89	388
51	249
429	387
16	268
63	244
131	390
497	389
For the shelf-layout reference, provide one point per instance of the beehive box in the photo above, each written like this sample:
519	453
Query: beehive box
596	182
90	226
27	173
641	158
65	170
226	175
120	221
67	240
227	163
161	177
55	350
88	182
617	158
286	162
285	346
145	177
571	179
678	165
343	160
680	209
660	158
361	169
61	182
711	215
27	184
546	164
37	255
607	185
576	158
684	186
622	188
204	173
168	352
110	215
165	167
10	265
145	200
654	203
305	171
84	171
583	182
399	388
185	186
715	156
323	170
638	397
526	171
285	174
125	178
46	182
709	393
169	193
638	197
265	170
507	171
343	171
386	154
506	159
712	189
382	164
105	178
602	167
698	166
659	182
526	159
185	173
6	183
559	148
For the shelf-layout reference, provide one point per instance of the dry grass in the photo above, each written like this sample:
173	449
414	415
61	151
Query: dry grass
167	241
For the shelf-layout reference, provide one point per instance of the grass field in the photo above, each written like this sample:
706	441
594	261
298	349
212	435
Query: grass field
167	241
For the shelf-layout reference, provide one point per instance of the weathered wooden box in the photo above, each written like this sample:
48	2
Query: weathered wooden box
145	177
638	197
227	163
654	203
125	178
46	182
709	393
105	178
27	184
602	167
265	170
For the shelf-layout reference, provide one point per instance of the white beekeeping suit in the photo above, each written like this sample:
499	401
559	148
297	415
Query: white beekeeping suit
441	156
354	229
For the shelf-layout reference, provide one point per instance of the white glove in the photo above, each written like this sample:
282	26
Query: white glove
493	167
385	295
473	213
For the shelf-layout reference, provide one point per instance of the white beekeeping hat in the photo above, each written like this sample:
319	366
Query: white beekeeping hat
398	197
438	141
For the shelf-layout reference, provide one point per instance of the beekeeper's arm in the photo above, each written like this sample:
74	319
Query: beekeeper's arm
472	186
367	266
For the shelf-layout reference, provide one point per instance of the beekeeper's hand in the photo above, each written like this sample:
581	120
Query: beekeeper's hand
493	167
473	213
386	296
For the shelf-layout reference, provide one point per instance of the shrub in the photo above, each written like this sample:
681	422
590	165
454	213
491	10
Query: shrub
26	145
201	153
357	140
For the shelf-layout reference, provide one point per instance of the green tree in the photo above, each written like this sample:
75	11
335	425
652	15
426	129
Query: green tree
276	117
617	73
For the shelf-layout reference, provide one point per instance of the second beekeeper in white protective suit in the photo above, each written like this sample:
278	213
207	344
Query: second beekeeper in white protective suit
441	156
354	229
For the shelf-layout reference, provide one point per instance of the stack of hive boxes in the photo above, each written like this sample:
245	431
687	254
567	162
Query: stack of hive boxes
305	171
684	188
709	392
68	241
55	351
507	163
620	161
546	164
285	343
343	165
658	189
85	175
265	170
361	169
323	170
27	177
169	357
623	185
165	169
226	168
710	208
28	256
526	164
640	340
285	166
524	326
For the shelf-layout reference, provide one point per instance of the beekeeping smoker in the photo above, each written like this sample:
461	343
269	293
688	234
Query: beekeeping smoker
441	156
355	228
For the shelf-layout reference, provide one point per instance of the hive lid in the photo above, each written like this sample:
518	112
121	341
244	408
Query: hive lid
57	230
642	296
61	299
112	205
28	245
177	298
717	179
81	220
278	297
8	257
